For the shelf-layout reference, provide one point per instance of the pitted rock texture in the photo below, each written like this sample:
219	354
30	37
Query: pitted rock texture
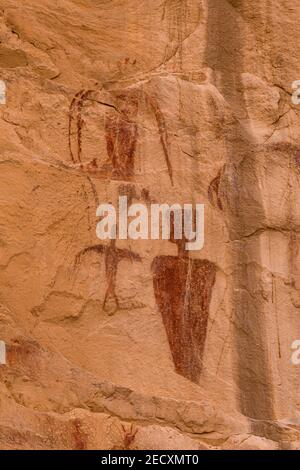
134	344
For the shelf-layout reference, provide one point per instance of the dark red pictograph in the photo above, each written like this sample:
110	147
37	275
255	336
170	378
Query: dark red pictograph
121	132
214	191
183	289
112	256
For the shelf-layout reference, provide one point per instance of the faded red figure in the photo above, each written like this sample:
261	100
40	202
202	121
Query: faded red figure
121	132
214	191
183	290
113	256
121	138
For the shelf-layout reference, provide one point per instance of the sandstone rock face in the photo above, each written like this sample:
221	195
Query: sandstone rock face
130	345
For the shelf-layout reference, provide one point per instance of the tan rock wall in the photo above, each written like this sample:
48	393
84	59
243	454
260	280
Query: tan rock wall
163	101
